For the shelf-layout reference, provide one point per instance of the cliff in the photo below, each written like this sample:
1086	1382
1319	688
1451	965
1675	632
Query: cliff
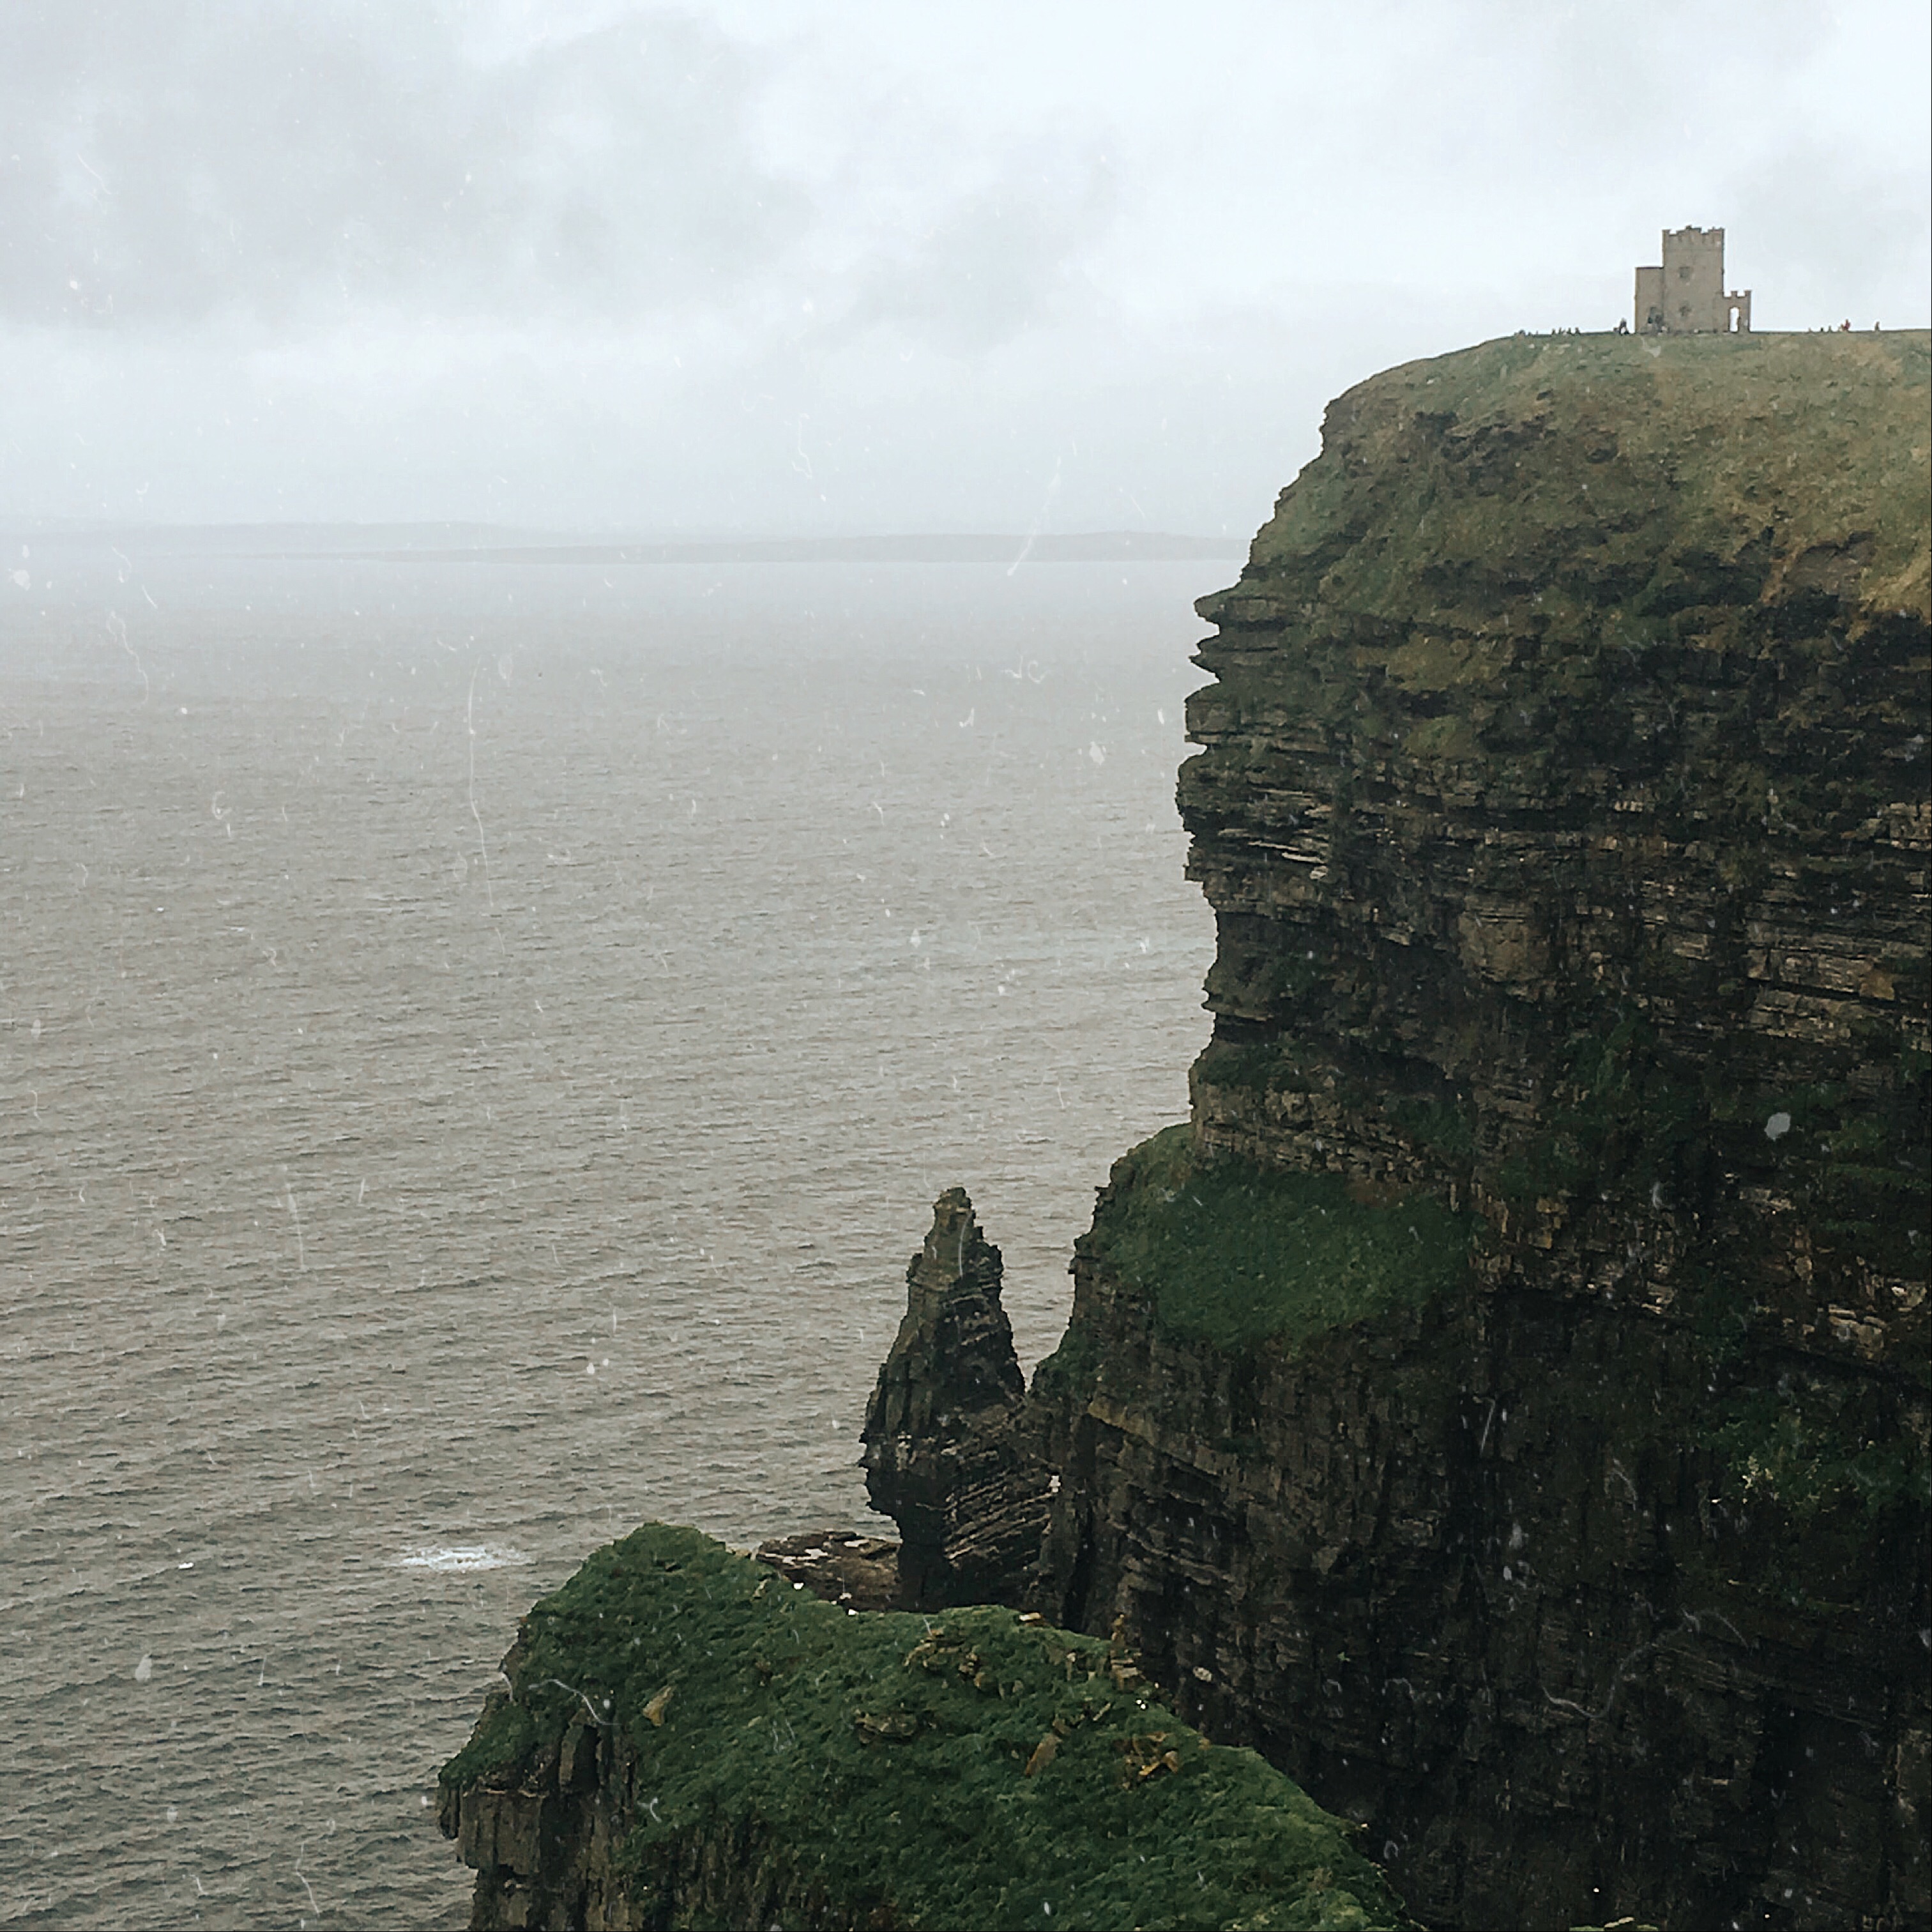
686	1739
1503	1404
1504	1401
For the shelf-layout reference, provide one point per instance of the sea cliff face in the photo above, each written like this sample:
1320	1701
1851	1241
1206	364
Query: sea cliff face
1504	1403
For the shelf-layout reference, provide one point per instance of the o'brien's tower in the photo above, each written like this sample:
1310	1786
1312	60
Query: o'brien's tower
1686	295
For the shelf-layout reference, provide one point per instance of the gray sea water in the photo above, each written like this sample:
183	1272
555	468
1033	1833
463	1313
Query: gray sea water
479	1043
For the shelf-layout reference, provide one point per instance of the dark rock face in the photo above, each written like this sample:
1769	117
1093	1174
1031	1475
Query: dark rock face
1473	1575
1563	803
945	1456
548	1845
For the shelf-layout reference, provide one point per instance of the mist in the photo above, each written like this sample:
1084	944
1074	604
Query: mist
756	268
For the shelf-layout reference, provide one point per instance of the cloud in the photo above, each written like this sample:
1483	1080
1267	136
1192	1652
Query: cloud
294	159
1826	228
1001	260
851	263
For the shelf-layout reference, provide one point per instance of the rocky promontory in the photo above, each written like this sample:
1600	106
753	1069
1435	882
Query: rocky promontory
686	1738
1503	1404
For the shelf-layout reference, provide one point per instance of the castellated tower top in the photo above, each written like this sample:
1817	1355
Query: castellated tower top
1686	294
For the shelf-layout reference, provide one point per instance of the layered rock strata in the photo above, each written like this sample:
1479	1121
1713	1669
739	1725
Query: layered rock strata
1505	1402
944	1456
686	1738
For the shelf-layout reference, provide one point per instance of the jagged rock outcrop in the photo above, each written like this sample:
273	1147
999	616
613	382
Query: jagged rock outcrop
858	1573
1505	1402
944	1456
686	1739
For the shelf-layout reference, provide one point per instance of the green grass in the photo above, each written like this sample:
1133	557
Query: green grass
1234	1254
1569	462
1497	547
934	1821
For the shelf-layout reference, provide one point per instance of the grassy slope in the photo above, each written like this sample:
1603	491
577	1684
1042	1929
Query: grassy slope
1233	1254
774	1695
1615	459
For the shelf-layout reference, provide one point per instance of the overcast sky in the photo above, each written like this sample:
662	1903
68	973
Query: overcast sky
794	266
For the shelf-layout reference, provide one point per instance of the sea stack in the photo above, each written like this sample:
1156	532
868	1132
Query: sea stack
945	1456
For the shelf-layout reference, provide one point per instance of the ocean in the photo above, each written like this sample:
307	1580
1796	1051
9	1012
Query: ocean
479	1043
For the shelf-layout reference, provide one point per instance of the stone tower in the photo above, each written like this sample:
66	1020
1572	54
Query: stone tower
1686	295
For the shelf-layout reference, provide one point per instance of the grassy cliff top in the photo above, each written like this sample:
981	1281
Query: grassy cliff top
1628	479
959	1770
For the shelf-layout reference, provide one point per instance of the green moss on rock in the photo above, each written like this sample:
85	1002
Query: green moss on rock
1812	1446
1232	1253
964	1769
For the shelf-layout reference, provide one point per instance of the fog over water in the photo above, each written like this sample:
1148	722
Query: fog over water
477	1047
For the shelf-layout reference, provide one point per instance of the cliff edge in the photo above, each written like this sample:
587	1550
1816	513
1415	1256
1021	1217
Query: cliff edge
1504	1401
